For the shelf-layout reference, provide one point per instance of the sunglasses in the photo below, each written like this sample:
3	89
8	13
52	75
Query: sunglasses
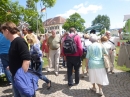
28	39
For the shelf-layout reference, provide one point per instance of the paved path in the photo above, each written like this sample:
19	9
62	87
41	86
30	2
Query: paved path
119	86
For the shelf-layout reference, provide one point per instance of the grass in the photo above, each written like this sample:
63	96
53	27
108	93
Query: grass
45	62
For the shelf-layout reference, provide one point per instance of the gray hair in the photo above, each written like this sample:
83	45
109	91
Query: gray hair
93	38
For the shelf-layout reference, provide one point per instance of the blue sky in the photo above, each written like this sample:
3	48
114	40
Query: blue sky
89	9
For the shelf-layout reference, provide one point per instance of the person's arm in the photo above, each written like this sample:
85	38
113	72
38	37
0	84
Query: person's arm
25	65
79	45
120	36
43	46
87	58
86	64
24	54
36	48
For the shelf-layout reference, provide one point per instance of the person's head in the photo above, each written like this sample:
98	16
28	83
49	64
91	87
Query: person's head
86	36
93	38
119	31
9	29
104	39
30	31
31	39
46	36
93	31
108	34
53	32
72	30
25	30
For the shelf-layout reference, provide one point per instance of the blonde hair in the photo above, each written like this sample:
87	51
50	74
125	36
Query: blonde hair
104	38
86	36
32	38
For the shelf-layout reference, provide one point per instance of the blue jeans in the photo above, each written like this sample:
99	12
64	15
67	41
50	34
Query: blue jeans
38	68
5	62
73	62
63	64
16	92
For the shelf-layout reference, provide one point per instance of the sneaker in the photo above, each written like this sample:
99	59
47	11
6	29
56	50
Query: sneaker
56	73
48	70
101	92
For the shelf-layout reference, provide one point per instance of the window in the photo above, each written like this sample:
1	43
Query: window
57	27
57	32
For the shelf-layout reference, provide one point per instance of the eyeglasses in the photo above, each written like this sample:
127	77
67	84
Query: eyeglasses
28	39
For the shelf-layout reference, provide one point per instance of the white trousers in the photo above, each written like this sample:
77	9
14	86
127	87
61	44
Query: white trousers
54	57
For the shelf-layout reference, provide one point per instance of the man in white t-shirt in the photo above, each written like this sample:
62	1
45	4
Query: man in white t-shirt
112	41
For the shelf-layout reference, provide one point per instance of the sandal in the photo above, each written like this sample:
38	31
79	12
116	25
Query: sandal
48	87
93	89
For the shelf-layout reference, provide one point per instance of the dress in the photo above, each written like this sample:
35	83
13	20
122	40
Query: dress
96	68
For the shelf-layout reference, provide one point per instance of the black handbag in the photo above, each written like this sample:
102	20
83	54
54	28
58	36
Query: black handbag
35	57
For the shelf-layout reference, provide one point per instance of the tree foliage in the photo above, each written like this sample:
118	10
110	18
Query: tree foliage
103	19
12	11
75	21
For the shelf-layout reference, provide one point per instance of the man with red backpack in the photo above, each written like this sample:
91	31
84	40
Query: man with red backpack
72	50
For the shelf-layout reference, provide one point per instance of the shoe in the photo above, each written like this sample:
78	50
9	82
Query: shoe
56	73
83	76
75	84
113	72
70	86
101	92
48	87
8	84
48	70
93	89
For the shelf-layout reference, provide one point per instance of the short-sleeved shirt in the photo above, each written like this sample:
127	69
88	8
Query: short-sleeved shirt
18	52
4	44
53	42
95	56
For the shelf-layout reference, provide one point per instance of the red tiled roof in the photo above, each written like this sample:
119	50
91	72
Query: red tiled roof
53	21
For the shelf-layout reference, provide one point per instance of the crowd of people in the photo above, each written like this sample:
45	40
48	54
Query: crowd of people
25	50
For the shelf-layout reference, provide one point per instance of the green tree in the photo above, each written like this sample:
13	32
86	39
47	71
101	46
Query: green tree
102	19
33	17
47	3
75	21
10	11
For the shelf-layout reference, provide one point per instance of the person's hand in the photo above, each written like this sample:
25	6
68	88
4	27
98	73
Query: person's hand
110	51
7	68
65	58
87	68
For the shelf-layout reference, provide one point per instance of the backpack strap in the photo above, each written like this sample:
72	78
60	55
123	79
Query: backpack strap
112	42
74	36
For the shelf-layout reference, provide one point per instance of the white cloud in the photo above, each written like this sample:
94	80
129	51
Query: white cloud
117	25
78	6
82	9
